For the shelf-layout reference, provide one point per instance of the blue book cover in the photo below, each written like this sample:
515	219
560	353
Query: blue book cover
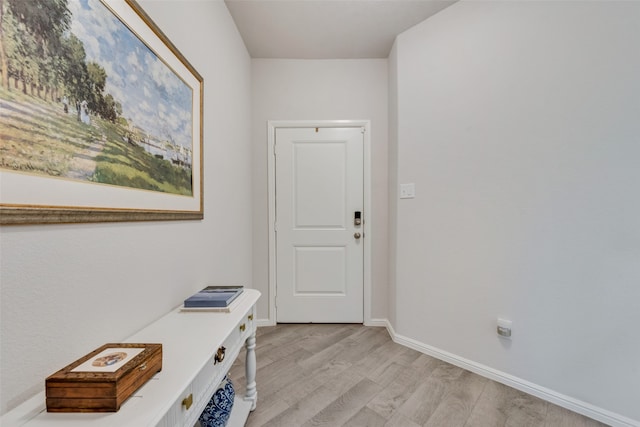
208	297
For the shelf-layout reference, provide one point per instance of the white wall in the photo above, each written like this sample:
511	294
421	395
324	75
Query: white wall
320	90
518	123
393	183
68	289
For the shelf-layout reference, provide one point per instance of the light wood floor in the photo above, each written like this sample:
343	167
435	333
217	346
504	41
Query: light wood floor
352	375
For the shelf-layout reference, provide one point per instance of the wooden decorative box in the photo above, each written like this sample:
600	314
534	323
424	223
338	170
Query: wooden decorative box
103	379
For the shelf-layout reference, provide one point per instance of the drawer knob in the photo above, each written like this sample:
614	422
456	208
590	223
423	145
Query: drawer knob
219	357
243	327
188	401
250	317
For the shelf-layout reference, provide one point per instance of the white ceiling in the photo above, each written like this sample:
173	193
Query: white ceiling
324	29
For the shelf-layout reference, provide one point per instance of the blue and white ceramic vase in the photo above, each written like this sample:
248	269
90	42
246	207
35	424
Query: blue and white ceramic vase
218	410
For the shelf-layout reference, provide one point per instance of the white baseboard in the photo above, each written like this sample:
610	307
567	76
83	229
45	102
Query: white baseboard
575	405
377	322
373	322
265	322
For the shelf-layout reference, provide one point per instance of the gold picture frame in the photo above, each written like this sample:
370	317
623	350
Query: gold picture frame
126	146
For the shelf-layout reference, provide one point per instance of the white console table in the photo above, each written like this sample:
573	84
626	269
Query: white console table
189	341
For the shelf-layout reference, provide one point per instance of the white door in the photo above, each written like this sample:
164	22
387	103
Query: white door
319	248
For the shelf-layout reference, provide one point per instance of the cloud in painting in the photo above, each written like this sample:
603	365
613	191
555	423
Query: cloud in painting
152	95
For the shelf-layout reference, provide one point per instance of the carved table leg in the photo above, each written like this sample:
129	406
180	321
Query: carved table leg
250	367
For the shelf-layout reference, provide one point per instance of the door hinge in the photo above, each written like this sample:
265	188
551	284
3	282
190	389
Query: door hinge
362	129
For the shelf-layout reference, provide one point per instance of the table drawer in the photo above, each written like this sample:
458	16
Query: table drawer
186	410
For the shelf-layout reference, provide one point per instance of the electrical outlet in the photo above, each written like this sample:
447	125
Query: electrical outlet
504	328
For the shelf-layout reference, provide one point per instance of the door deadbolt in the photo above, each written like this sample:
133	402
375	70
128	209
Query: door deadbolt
357	218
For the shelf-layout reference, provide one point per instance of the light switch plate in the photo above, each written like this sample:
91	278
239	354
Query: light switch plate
407	191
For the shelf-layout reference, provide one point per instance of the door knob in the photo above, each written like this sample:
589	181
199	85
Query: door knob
356	235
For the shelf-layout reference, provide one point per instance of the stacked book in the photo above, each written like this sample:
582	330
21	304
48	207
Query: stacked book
214	298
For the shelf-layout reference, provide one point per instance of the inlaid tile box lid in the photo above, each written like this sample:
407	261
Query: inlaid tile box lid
103	379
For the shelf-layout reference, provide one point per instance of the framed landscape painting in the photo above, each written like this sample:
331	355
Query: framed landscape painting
100	116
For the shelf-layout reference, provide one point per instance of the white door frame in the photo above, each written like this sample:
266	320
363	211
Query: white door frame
368	220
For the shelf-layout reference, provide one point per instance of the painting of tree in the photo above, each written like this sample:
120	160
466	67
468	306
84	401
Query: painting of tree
83	98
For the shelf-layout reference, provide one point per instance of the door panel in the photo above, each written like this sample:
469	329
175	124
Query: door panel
320	271
319	177
319	186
